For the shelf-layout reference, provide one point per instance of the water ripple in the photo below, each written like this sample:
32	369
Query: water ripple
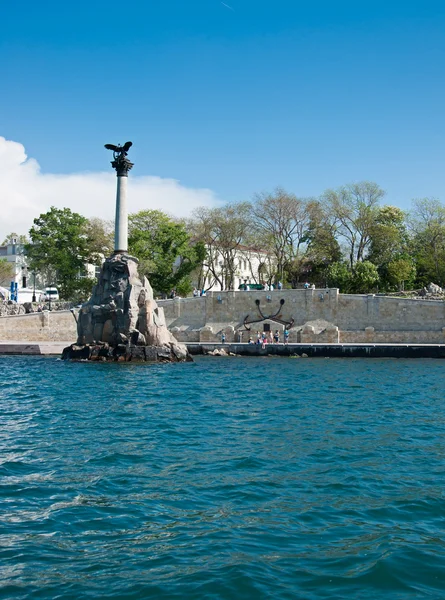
222	479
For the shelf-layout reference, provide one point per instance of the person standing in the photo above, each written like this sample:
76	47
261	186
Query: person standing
286	336
223	338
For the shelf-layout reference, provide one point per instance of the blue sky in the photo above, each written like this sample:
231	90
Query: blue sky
237	100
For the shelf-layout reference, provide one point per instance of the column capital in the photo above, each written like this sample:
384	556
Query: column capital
122	165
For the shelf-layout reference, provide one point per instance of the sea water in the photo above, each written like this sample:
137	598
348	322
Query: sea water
226	478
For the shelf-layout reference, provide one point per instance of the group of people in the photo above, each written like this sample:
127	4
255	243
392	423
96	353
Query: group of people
264	338
268	337
197	293
308	286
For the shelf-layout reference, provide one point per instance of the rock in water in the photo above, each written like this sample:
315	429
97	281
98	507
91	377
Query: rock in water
123	317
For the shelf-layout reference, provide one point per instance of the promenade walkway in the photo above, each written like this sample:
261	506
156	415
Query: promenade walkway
33	348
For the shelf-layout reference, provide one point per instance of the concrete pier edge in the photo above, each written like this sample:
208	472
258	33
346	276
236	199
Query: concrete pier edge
289	350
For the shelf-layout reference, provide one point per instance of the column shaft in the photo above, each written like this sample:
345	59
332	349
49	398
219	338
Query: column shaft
121	225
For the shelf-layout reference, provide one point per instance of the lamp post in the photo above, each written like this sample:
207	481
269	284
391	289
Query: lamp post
34	289
24	276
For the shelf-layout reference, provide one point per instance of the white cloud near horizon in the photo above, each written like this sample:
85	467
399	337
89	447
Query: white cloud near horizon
26	192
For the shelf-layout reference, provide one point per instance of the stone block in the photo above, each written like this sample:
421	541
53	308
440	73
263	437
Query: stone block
137	353
369	334
332	334
75	352
206	334
163	352
151	354
120	350
307	334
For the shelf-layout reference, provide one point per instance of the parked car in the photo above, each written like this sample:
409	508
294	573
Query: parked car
52	294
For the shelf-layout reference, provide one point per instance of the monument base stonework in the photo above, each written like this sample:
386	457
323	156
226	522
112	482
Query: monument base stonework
122	321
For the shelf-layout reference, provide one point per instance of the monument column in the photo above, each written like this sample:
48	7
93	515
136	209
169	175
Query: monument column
122	166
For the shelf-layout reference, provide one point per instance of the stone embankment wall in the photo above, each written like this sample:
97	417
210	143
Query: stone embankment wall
54	326
320	316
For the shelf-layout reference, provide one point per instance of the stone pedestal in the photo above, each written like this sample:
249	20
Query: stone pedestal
122	321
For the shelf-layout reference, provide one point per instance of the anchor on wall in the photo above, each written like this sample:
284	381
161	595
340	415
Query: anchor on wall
276	317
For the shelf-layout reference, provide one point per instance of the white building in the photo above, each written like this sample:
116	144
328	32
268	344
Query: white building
250	266
13	253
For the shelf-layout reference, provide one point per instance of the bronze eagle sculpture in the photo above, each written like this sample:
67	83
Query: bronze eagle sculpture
122	150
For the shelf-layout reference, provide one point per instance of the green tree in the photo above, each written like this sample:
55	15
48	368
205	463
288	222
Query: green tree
389	235
401	272
390	244
164	249
364	277
323	248
6	272
100	235
361	279
59	250
427	224
339	275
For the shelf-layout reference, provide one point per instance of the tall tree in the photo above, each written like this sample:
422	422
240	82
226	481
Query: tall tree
427	223
323	248
223	231
59	250
280	221
100	235
164	248
389	248
353	208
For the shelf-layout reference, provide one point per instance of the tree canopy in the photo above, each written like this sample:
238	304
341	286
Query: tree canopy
59	250
344	238
164	248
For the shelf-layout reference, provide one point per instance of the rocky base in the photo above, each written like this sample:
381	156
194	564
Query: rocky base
122	322
124	353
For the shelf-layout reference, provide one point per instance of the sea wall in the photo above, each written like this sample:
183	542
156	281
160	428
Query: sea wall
44	326
317	316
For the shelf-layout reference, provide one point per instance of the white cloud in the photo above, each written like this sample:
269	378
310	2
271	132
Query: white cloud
26	192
